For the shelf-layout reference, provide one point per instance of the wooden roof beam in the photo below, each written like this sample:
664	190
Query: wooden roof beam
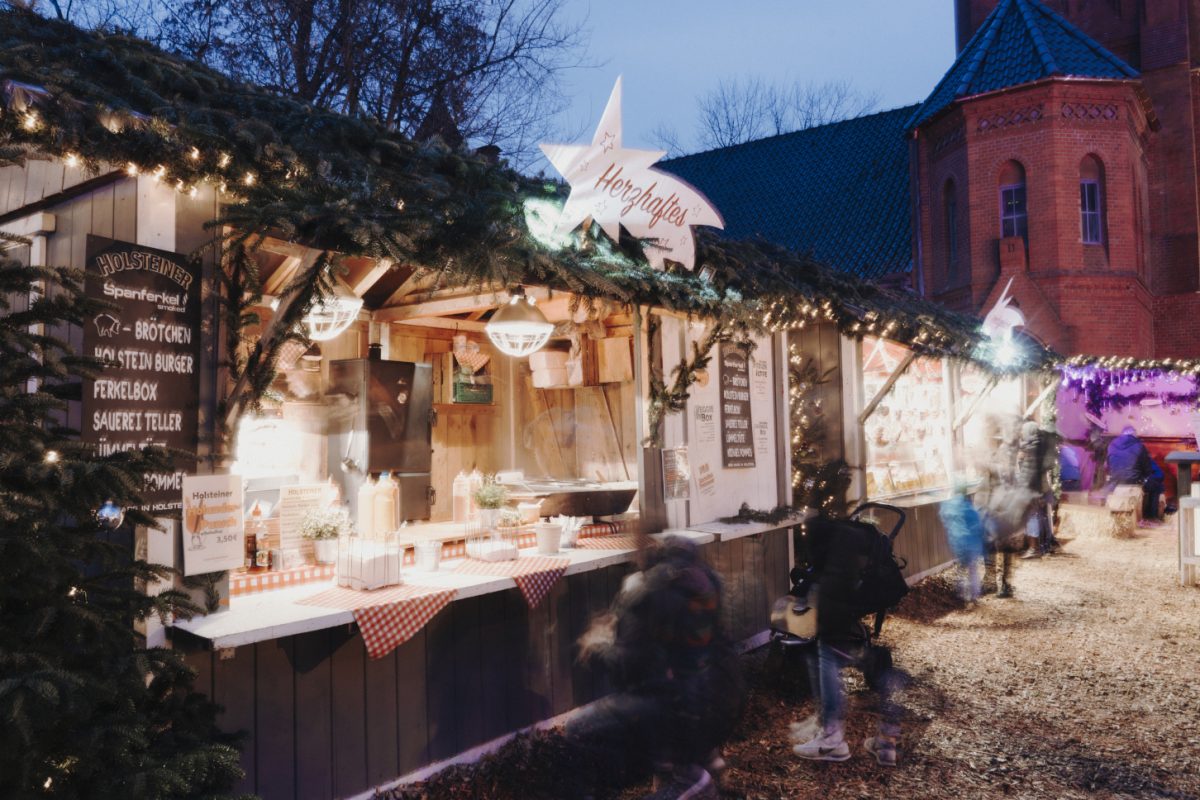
453	305
360	281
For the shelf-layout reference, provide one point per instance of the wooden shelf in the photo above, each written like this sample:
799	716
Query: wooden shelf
464	408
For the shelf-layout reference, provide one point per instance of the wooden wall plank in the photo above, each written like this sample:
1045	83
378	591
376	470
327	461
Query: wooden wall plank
16	189
275	714
439	677
383	719
349	713
35	177
125	210
469	663
233	690
518	702
413	703
581	613
314	712
52	178
496	651
102	211
558	604
598	599
538	679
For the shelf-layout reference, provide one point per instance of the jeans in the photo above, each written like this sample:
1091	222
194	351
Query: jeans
825	662
825	680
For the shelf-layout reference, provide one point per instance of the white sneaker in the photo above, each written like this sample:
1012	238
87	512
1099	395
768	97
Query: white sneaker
829	745
806	729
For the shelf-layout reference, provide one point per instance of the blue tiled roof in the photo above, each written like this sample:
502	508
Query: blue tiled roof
838	192
1021	41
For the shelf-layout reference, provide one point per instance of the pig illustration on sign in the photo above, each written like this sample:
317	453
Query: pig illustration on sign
107	325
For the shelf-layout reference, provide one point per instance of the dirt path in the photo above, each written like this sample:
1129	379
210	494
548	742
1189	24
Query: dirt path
1087	684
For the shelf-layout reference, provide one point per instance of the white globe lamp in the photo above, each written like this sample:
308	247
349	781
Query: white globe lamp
518	328
331	315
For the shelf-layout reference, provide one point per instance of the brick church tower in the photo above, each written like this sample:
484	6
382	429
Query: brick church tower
1060	151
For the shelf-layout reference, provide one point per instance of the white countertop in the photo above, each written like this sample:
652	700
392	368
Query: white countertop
276	614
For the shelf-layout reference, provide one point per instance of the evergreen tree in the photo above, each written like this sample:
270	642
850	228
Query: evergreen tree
86	709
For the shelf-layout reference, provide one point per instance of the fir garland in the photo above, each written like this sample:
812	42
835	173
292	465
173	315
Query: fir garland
666	400
774	516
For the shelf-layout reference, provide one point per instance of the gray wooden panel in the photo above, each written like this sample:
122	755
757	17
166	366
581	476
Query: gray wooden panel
518	705
6	178
314	708
35	177
125	210
737	580
412	702
582	688
497	650
598	597
439	676
16	189
233	690
540	689
469	665
349	713
558	603
383	720
755	617
102	211
275	712
191	214
202	662
52	178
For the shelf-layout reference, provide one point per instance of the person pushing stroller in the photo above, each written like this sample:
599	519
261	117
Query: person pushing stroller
838	551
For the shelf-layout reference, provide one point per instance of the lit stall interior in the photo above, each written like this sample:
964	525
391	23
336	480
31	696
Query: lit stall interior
410	399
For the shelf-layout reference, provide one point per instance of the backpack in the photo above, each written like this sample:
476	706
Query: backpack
881	585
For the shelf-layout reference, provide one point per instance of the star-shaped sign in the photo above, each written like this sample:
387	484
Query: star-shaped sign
616	186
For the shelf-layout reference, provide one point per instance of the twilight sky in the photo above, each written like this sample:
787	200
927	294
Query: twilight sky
670	52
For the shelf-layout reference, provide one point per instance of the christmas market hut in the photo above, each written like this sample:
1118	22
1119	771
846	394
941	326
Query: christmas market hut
421	428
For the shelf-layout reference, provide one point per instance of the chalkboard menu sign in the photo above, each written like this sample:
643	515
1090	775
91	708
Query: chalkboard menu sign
737	433
150	394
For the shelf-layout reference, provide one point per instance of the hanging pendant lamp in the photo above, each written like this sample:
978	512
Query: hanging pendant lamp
519	328
331	315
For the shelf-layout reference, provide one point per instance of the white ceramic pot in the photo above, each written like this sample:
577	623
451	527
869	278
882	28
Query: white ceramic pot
549	534
326	550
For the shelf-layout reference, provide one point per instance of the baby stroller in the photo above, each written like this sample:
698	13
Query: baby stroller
794	616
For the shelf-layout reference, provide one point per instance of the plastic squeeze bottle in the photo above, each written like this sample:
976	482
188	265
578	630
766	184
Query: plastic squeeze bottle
366	509
461	490
385	506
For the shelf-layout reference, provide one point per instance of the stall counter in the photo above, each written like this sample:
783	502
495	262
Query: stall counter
277	614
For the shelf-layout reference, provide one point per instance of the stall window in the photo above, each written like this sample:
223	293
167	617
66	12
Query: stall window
908	433
1013	212
1091	199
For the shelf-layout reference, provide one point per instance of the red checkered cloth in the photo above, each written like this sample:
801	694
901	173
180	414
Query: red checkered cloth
624	542
535	576
387	617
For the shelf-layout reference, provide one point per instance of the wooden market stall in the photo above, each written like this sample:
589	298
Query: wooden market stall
313	292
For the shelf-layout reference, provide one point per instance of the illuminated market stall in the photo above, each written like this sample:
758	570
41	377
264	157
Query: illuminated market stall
432	417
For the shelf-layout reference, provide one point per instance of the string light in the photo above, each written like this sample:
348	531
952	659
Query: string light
194	154
223	161
131	169
71	160
248	179
30	121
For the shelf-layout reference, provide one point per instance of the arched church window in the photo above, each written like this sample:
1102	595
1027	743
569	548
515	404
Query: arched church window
1091	200
1014	215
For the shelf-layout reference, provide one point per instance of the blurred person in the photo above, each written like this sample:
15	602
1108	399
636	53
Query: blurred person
837	550
1005	502
679	685
1035	465
964	531
1128	461
1152	489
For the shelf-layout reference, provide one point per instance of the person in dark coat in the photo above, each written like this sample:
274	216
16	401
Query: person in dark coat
1129	461
1035	464
679	685
837	554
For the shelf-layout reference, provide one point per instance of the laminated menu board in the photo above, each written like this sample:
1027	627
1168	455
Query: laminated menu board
737	432
150	335
213	532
